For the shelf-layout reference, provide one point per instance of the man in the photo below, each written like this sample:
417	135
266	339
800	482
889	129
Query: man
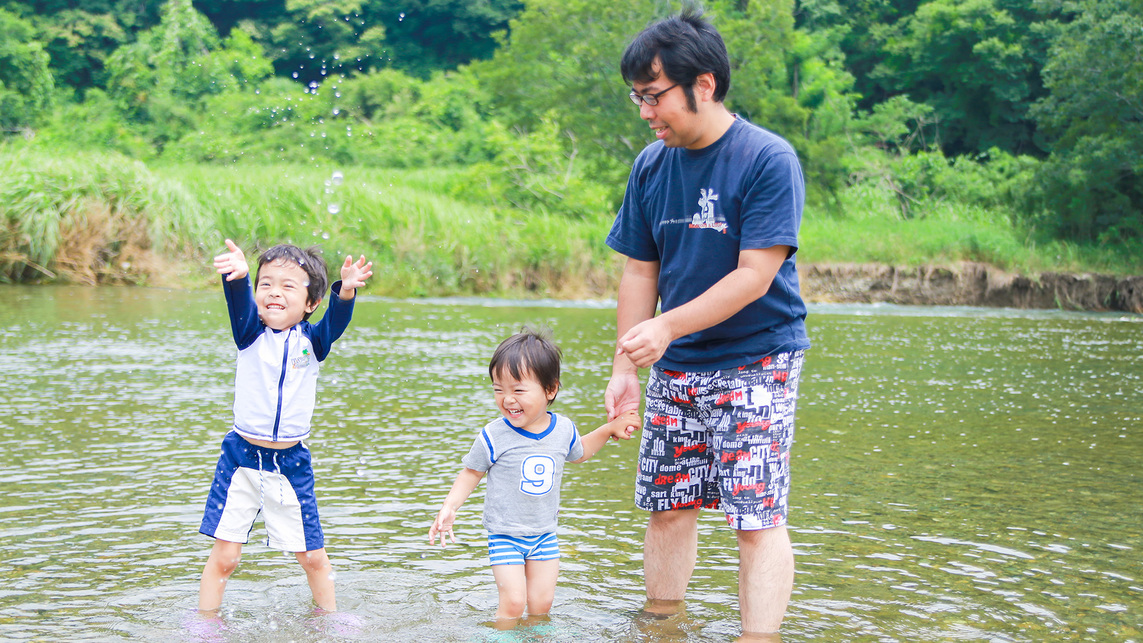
709	226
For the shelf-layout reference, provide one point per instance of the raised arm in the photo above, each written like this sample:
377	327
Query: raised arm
245	324
620	428
232	263
353	276
462	488
644	343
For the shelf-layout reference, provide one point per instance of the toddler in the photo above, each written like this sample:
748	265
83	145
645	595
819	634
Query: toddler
523	452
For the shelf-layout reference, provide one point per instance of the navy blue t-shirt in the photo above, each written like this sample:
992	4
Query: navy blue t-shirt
692	211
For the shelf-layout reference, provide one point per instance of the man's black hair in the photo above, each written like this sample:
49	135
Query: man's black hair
308	260
686	46
529	351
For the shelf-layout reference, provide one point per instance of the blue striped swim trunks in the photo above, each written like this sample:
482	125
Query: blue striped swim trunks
514	550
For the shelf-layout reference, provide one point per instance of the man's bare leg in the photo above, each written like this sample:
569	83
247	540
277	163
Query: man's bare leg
669	551
765	578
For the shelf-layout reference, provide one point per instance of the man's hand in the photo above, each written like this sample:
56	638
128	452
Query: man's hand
353	276
646	342
622	394
233	263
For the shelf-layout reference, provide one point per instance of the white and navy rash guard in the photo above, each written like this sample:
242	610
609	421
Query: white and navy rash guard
275	382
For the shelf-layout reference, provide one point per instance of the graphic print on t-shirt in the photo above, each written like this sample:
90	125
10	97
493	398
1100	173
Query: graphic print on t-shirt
537	474
706	216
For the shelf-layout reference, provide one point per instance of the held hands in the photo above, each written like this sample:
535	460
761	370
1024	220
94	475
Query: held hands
645	343
623	426
353	275
442	526
622	394
233	263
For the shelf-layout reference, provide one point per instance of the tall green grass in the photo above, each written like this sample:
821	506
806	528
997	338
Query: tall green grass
422	240
416	226
873	229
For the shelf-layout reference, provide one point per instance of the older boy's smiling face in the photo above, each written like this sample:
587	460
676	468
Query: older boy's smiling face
282	295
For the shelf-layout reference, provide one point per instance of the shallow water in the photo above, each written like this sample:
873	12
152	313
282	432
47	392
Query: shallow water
959	474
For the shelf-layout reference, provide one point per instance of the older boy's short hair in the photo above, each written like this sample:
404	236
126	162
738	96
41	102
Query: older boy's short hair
687	46
308	260
529	351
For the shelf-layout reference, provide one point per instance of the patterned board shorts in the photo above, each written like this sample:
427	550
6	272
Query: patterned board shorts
514	550
721	439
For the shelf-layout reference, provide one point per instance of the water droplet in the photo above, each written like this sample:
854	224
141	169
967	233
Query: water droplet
337	177
325	235
333	209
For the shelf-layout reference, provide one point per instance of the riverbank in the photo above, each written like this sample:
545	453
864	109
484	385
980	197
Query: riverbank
956	284
970	284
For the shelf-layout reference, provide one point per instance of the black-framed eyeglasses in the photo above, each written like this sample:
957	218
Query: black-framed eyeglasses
650	99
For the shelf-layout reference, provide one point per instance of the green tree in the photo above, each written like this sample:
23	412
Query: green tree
161	79
557	69
974	63
26	82
1091	188
79	36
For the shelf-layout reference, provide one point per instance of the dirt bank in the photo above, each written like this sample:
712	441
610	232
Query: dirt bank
969	284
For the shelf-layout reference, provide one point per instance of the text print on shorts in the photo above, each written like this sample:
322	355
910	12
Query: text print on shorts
721	439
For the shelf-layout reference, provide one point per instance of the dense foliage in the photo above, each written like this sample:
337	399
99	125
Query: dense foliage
1029	108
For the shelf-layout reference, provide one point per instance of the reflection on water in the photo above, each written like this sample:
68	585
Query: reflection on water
959	474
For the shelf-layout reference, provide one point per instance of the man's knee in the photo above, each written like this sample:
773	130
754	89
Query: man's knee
678	519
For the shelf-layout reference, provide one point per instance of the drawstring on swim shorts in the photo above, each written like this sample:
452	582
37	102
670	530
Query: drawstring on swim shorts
281	489
261	484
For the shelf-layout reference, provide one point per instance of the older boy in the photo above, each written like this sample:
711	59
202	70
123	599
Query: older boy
265	467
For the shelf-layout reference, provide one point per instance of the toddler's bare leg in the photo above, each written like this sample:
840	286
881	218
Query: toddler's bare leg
512	585
541	579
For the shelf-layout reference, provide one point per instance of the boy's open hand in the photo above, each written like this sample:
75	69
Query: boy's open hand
442	526
622	427
233	263
353	275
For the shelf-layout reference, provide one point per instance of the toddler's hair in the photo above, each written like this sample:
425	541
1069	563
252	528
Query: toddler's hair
308	260
529	351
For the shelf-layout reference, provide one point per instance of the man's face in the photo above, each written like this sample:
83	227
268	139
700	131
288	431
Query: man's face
670	118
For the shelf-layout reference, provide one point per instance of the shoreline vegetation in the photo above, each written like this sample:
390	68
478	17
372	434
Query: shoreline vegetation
102	218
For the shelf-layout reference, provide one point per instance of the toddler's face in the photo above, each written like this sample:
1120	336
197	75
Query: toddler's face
282	294
523	402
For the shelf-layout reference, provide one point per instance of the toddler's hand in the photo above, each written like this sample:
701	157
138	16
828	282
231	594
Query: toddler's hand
442	526
625	425
232	264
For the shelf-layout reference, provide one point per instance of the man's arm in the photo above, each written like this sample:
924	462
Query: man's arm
638	298
644	343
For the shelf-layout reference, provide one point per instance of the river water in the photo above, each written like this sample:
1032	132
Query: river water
958	474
